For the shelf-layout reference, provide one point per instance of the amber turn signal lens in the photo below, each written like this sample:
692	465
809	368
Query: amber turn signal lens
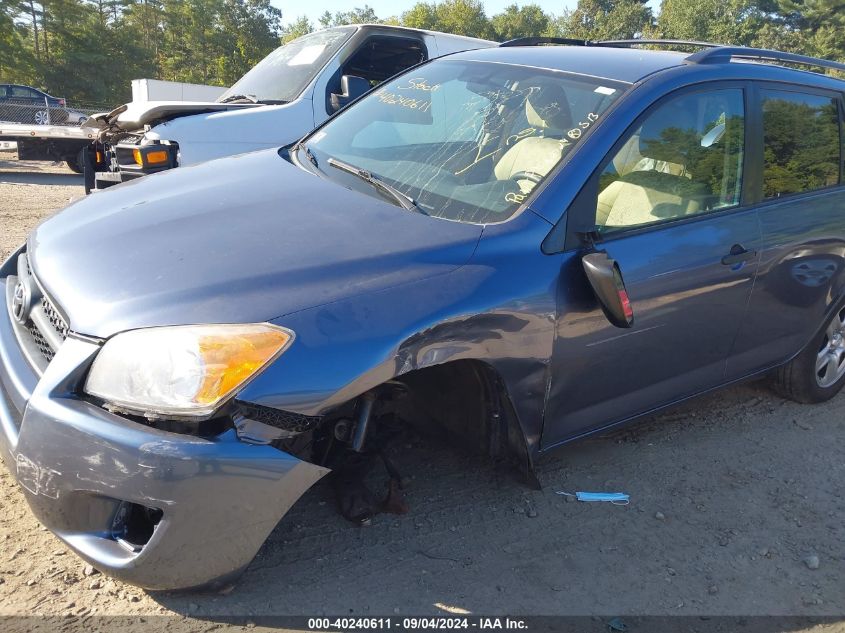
230	359
157	157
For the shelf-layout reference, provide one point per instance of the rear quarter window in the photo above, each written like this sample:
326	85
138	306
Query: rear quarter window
801	136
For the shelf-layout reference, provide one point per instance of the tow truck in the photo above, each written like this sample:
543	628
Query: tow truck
50	142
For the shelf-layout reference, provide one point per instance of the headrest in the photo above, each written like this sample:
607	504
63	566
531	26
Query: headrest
670	134
546	107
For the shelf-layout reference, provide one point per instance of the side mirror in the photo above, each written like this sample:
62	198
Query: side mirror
351	87
606	280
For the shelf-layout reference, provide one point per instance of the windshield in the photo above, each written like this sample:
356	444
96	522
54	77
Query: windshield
285	72
466	141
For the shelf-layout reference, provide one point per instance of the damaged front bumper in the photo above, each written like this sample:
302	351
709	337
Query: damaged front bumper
156	509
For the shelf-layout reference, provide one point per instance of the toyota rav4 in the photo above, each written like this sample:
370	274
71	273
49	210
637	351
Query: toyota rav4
519	246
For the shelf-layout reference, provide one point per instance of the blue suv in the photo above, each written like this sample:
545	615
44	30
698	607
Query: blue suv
514	246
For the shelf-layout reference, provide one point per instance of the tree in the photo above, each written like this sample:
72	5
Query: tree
606	20
421	16
216	41
15	58
514	21
462	17
358	15
819	22
247	31
301	26
734	22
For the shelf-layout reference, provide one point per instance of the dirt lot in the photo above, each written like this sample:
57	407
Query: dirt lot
736	508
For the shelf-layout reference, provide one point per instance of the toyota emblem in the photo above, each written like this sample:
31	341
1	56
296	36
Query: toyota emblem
21	300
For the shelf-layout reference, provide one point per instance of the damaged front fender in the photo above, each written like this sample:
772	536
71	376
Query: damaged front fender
500	315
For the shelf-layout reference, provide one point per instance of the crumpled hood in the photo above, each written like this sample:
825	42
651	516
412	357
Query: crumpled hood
136	114
238	240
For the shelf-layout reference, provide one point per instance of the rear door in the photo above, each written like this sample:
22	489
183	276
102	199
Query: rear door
802	212
668	206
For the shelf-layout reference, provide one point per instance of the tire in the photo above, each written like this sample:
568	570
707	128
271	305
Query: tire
76	164
817	373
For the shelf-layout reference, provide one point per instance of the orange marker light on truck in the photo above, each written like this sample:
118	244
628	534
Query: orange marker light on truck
157	157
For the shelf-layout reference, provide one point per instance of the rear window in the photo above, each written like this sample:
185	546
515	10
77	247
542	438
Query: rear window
801	142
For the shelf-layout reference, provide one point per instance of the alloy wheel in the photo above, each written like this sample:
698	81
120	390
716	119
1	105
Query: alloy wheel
830	361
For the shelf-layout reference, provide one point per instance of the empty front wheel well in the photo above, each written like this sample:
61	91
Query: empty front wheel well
467	401
464	402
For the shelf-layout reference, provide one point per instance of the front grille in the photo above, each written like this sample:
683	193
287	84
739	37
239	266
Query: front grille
43	346
56	322
56	319
45	325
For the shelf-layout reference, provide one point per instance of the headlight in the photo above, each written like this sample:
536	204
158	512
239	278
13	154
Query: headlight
183	370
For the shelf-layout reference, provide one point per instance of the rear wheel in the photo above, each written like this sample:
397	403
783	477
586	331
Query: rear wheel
76	164
818	373
42	117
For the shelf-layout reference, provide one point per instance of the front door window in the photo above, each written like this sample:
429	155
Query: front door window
685	159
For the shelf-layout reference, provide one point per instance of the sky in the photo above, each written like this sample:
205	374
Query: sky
386	8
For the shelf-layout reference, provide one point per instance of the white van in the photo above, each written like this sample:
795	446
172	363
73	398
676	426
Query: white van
288	93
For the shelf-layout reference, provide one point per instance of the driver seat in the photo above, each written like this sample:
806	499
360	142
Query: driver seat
547	110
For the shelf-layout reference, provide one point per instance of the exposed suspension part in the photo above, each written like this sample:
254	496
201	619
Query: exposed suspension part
356	444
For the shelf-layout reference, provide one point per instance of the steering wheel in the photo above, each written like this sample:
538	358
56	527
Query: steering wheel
527	175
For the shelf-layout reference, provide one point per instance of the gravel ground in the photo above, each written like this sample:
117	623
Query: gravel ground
735	509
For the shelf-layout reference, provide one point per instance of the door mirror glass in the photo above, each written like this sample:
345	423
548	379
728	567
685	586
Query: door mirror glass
351	87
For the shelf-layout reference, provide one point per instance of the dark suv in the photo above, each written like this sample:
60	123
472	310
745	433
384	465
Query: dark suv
23	104
516	246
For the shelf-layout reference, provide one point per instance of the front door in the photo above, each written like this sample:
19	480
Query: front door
668	209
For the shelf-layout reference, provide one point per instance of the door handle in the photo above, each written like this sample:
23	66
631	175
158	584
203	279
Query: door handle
738	255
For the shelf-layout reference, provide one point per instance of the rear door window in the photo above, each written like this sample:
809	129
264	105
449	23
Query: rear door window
801	139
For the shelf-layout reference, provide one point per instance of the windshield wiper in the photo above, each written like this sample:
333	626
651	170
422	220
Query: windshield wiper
246	98
405	201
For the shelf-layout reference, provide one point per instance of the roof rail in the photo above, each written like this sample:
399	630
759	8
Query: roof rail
538	41
712	53
637	41
568	41
725	54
